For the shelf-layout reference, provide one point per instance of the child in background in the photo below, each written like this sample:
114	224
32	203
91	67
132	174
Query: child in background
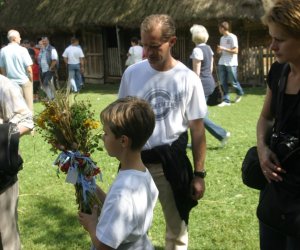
127	211
34	54
36	81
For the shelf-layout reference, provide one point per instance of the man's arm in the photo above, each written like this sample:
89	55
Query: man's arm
29	72
81	64
234	50
3	71
23	130
199	152
66	60
52	65
14	108
54	59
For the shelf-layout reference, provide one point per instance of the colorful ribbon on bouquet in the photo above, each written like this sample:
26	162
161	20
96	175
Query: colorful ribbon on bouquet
74	163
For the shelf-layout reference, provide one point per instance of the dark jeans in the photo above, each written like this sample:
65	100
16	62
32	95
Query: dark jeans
228	74
36	87
48	84
274	240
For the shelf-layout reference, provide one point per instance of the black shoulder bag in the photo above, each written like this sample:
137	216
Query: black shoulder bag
252	175
216	97
279	205
10	160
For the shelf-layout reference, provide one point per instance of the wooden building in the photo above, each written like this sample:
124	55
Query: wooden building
105	27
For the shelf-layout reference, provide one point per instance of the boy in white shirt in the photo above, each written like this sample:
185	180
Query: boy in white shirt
128	207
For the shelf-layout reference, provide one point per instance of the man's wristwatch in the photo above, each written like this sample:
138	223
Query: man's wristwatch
200	174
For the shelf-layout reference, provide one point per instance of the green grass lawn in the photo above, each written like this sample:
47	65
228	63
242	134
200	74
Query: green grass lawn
224	218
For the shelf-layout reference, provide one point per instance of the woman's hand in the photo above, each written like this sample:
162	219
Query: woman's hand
270	164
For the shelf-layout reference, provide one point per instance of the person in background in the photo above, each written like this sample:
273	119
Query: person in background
74	59
31	51
48	63
177	98
34	53
127	211
36	79
13	109
283	21
202	58
15	63
36	49
135	52
228	63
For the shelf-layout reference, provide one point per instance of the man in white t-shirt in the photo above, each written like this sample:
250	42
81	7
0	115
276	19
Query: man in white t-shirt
177	98
228	63
15	63
74	59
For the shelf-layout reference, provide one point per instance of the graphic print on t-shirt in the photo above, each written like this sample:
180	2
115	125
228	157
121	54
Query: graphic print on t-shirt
162	102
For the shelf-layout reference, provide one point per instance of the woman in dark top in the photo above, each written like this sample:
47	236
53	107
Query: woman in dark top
280	113
202	58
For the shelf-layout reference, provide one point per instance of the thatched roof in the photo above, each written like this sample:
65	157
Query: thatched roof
45	15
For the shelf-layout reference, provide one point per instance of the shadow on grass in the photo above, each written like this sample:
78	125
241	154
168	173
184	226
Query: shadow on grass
253	90
57	227
162	248
109	88
112	88
215	148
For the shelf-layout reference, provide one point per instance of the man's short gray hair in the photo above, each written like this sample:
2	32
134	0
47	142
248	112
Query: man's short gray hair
12	34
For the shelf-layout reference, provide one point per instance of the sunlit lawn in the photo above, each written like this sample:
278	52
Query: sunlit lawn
224	219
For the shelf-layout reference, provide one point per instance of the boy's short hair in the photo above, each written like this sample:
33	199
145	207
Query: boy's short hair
74	39
134	40
225	25
132	117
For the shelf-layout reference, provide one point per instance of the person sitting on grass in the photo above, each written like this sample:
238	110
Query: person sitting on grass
127	211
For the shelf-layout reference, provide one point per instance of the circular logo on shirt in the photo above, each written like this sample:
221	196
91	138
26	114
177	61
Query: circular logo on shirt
161	103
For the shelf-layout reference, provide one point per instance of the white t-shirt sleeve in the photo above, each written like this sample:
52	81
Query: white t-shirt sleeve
122	89
234	41
1	60
65	54
116	221
196	106
26	57
81	54
197	54
131	50
54	55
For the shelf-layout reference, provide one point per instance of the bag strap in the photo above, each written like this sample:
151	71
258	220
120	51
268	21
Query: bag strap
280	96
217	75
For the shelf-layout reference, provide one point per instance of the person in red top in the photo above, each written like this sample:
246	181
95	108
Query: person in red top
35	72
36	81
